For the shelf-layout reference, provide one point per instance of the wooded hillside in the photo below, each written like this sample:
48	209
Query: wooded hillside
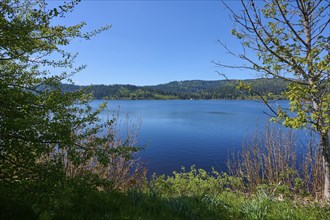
192	89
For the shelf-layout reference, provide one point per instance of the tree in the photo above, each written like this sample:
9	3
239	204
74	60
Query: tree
290	40
39	122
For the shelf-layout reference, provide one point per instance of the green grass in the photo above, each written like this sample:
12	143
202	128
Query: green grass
184	195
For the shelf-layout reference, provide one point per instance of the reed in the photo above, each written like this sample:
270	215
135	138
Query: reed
276	158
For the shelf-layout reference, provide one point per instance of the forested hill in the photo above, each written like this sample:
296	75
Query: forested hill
192	89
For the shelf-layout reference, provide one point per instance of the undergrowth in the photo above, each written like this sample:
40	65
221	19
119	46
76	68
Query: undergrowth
91	191
192	194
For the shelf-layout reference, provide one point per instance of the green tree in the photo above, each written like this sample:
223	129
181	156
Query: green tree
39	122
290	40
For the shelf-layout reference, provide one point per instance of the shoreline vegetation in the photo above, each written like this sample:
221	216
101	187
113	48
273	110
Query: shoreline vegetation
286	190
54	164
186	90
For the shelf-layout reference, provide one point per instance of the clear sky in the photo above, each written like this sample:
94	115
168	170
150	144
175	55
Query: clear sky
153	42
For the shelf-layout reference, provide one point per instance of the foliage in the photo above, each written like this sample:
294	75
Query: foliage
37	118
52	148
226	196
57	162
157	201
290	41
195	89
117	167
196	182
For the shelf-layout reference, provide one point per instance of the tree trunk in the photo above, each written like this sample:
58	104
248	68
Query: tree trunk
326	164
325	148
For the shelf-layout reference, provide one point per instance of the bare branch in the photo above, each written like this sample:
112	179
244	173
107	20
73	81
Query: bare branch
287	22
263	42
255	92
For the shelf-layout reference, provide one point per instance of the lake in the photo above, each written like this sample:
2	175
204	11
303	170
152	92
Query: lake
191	132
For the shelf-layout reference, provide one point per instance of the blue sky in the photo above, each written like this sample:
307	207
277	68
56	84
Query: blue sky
153	42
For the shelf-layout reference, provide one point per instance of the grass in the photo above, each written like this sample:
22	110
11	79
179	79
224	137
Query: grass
264	184
192	194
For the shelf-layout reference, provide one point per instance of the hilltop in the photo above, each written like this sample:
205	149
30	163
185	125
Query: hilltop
189	89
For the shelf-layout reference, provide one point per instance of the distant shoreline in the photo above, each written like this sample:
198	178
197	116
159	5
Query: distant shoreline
187	90
247	99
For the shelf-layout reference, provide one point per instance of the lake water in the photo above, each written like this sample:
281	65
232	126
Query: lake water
191	132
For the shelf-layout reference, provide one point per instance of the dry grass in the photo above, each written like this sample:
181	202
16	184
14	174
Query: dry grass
272	158
109	156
